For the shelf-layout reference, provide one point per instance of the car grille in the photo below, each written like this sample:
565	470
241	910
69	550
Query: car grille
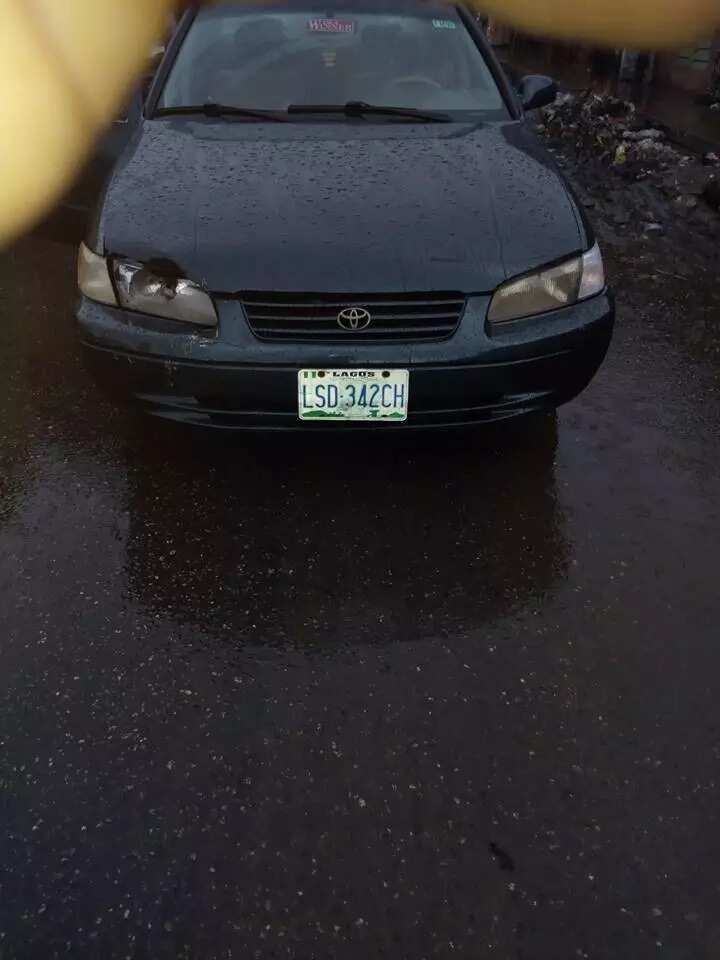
396	316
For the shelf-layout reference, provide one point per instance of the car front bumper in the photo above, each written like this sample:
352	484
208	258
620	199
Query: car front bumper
235	381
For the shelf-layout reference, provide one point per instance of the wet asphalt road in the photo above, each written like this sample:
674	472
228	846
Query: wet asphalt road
422	699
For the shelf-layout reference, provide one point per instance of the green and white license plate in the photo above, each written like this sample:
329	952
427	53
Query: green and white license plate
353	394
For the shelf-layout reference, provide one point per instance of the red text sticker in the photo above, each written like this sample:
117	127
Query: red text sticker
324	25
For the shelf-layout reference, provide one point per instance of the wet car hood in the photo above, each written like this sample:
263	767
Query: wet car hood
339	207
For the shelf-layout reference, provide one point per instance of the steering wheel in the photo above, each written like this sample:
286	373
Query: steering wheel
414	80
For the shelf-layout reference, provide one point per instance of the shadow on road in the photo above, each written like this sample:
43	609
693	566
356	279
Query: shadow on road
311	541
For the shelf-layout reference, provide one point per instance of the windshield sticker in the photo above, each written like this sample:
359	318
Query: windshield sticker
325	25
444	24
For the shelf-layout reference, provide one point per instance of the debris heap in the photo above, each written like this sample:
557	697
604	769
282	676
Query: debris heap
627	171
608	129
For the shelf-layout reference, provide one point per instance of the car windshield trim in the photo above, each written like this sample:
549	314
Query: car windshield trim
358	108
221	110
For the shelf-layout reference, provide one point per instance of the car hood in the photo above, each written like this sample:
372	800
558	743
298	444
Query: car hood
339	207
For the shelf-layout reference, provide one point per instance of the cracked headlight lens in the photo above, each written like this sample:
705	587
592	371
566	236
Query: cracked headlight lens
175	298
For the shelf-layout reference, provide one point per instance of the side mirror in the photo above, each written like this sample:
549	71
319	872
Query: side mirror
536	91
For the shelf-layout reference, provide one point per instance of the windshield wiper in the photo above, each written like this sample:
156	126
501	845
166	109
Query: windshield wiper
358	108
221	110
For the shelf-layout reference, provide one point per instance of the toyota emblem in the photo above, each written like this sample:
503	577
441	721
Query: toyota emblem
354	318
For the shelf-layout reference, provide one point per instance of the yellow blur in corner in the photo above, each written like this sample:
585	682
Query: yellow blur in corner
649	24
65	66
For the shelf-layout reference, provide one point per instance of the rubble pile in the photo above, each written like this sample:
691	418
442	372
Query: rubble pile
627	173
607	129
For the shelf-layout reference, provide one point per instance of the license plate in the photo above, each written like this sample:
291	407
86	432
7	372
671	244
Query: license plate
353	394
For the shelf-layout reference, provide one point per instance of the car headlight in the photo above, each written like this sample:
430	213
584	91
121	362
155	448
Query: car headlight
550	288
139	289
175	298
94	277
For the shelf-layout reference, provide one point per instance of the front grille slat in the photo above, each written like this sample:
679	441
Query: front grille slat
290	332
423	316
378	321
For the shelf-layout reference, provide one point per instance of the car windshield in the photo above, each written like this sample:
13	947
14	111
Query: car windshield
408	55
